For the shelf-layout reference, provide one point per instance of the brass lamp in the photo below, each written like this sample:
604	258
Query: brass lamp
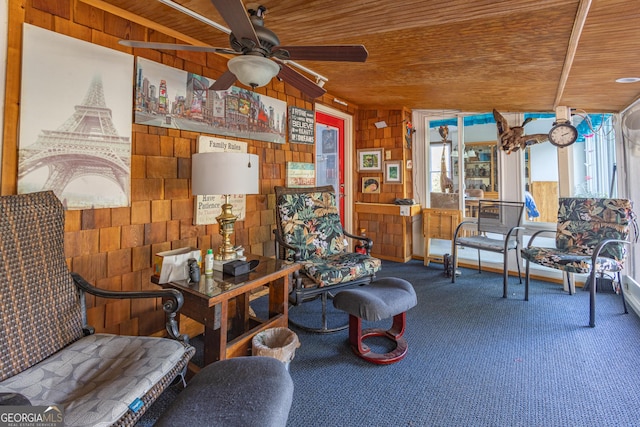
225	173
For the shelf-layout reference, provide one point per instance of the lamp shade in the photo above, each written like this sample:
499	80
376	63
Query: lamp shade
223	173
252	70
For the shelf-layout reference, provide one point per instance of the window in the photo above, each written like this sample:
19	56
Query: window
595	165
588	171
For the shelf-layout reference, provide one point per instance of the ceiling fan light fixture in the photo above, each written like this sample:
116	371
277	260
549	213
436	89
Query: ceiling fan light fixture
254	71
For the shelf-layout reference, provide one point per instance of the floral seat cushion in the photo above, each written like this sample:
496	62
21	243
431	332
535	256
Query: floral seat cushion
340	268
571	261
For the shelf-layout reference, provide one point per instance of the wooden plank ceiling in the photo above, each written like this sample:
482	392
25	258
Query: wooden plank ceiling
468	55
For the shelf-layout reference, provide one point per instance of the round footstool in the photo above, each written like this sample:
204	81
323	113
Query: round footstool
382	299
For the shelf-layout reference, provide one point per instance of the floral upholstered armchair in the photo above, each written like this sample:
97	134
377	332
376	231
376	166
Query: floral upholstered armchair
591	238
309	232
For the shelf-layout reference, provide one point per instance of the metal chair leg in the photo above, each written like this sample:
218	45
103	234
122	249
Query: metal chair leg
592	299
518	259
454	261
505	273
526	282
324	329
624	304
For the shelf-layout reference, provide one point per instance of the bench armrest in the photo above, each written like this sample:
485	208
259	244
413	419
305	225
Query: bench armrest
173	301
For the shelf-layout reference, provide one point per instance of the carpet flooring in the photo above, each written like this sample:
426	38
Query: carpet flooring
474	359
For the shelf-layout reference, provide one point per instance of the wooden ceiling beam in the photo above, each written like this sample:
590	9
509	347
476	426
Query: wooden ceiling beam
114	10
576	32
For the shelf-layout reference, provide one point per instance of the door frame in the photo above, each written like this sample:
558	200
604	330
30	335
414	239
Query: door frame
348	161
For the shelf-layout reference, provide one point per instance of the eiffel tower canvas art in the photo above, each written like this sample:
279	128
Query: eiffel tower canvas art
78	145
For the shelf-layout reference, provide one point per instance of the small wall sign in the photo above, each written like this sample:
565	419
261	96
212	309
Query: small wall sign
300	174
301	125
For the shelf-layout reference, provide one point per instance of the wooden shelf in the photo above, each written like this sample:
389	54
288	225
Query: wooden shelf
385	208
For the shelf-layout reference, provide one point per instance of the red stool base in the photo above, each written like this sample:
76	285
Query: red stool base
394	334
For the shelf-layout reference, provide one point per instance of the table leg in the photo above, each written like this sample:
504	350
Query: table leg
215	338
427	248
279	296
241	318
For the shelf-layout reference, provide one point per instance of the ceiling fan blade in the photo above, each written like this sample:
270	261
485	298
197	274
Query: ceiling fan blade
236	16
173	46
224	82
349	53
297	80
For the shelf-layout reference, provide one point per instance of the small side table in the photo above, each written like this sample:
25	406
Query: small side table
438	224
221	303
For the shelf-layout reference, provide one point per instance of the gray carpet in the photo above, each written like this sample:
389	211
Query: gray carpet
475	359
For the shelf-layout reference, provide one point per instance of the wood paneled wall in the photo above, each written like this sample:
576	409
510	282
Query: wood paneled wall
114	248
391	233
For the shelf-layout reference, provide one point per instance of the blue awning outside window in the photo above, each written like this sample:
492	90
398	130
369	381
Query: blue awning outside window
481	119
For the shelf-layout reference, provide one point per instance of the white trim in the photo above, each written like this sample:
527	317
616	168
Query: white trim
632	293
348	161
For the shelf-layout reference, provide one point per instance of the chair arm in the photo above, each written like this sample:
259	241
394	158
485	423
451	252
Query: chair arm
516	229
508	237
297	255
173	301
601	245
536	234
366	242
459	227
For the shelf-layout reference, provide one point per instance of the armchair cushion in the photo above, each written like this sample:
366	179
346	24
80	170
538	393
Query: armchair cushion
310	222
584	222
340	268
571	260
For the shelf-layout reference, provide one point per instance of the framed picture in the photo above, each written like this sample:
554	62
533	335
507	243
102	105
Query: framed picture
393	172
370	160
370	184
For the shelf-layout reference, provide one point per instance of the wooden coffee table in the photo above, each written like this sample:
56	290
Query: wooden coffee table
221	303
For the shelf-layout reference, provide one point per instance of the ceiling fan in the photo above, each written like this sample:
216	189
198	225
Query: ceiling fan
260	57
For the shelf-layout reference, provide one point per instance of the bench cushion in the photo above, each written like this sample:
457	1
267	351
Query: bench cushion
97	377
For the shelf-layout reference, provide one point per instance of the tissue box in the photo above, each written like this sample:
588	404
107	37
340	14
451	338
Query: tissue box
170	266
236	268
